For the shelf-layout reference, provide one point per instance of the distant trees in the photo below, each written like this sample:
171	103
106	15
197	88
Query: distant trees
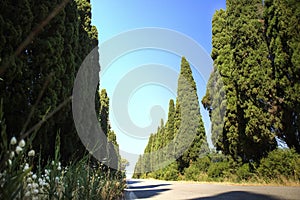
112	147
183	134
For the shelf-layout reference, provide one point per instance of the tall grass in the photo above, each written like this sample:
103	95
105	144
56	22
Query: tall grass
22	178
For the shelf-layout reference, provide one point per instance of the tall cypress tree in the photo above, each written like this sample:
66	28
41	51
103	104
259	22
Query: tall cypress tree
240	55
15	84
282	19
191	125
215	98
170	122
104	111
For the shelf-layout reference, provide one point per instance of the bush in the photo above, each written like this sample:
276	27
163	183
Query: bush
280	164
171	172
203	164
243	172
192	173
219	170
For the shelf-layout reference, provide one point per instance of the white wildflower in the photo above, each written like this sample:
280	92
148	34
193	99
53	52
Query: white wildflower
12	154
34	176
18	149
9	162
27	194
35	185
22	143
31	153
29	180
56	179
52	162
13	141
35	191
59	168
26	167
29	185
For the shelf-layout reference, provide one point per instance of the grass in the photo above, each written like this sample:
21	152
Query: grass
20	178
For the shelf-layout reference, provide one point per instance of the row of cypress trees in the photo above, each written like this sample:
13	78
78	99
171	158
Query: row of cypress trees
253	92
42	45
182	137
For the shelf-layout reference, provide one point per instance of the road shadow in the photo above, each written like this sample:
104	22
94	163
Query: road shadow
143	194
147	186
129	182
143	191
237	195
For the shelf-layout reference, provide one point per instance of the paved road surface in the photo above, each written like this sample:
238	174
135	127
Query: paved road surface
154	189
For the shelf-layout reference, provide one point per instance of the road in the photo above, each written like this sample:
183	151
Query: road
170	190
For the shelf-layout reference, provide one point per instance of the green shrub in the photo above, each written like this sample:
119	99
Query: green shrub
192	173
203	164
171	172
280	164
243	172
219	170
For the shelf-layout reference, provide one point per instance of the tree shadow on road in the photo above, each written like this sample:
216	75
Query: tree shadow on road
143	194
132	181
237	195
147	186
147	191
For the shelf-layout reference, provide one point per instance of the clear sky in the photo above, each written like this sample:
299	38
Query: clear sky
148	102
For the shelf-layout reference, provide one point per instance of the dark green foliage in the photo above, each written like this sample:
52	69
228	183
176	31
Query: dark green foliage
282	19
170	125
218	170
244	173
15	84
280	164
191	125
104	111
170	173
112	147
215	98
240	54
39	77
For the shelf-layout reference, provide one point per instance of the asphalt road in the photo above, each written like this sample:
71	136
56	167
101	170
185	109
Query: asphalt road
154	189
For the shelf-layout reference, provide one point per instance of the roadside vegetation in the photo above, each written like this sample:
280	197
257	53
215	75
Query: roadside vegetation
23	177
280	167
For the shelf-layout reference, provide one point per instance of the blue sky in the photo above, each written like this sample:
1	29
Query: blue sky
191	18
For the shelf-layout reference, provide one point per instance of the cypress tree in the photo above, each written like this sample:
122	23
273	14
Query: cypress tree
282	19
253	83
104	111
240	56
191	125
215	98
170	122
47	66
15	84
